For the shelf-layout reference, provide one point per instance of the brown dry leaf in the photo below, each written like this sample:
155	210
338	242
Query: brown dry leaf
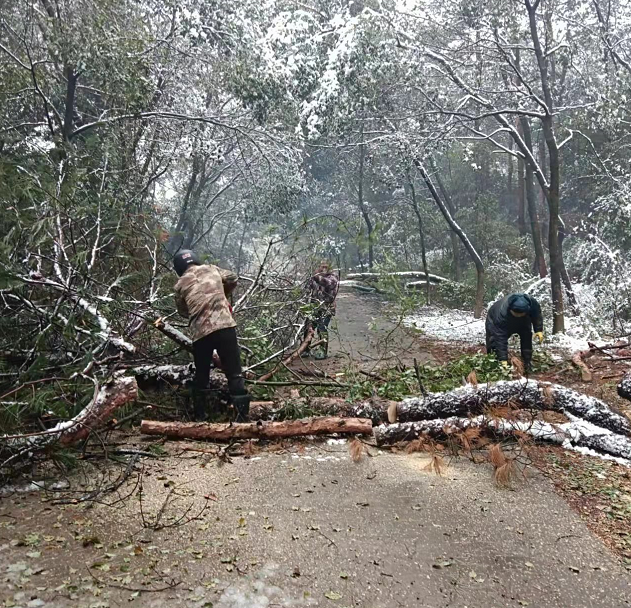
436	464
496	456
505	474
518	365
250	448
356	449
393	413
294	394
472	378
418	445
548	395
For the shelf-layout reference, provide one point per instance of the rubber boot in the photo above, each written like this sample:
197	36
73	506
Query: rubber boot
241	405
200	405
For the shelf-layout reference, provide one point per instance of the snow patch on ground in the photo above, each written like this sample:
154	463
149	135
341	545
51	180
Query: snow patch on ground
459	326
448	325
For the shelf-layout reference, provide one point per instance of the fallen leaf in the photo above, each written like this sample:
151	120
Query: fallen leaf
445	563
343	575
417	508
574	569
529	565
333	595
362	504
34	554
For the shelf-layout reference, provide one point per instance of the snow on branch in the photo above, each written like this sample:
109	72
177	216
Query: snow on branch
107	399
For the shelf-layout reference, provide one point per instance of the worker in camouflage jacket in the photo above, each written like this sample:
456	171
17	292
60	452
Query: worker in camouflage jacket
322	287
201	297
518	314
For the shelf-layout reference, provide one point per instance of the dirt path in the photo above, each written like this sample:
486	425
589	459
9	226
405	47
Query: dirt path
301	524
363	337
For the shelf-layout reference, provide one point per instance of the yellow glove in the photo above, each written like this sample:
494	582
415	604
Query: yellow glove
505	364
539	336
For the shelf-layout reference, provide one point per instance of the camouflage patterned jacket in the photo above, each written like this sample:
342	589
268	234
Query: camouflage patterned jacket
323	289
200	296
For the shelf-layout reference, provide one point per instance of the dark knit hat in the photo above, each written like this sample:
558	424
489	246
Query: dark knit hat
519	303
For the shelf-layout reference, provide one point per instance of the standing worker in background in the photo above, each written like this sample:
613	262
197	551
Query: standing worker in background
323	287
518	314
201	296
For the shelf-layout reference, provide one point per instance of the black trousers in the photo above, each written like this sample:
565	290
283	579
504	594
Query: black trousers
224	341
525	340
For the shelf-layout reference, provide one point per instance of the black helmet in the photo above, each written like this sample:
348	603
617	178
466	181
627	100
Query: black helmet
183	259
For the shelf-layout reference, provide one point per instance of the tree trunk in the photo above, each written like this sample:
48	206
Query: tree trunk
565	277
253	430
479	267
521	190
239	256
362	204
552	195
421	233
531	197
404	274
453	236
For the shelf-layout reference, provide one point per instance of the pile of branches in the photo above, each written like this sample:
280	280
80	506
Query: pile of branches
78	336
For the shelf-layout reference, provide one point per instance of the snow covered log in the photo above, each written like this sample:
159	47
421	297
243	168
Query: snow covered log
151	376
358	285
374	409
523	393
107	399
576	435
407	274
624	387
252	430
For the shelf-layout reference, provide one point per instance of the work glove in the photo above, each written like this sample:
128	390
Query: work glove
539	336
505	364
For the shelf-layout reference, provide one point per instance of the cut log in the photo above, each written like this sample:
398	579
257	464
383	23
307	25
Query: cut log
624	387
523	393
407	274
576	435
107	399
252	430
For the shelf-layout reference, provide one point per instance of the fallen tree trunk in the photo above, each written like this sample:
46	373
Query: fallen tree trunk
252	430
406	274
523	393
358	285
107	399
624	387
577	434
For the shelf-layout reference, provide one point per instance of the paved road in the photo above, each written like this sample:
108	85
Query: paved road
309	527
302	525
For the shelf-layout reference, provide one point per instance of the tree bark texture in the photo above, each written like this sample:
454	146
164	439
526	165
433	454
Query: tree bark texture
252	430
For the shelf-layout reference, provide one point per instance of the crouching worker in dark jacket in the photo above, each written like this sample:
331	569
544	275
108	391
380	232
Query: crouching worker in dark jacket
200	296
515	314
